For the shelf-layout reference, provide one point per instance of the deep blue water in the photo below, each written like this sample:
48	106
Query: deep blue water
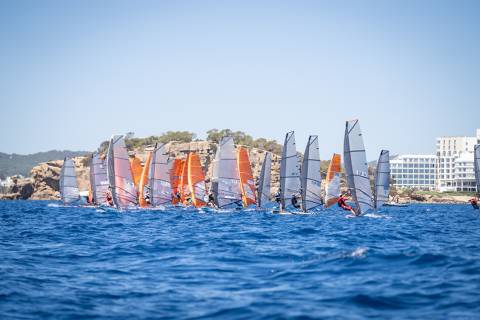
417	262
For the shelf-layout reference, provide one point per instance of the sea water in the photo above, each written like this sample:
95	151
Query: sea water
418	262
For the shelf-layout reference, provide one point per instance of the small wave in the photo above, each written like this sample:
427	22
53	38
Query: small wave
53	205
359	252
376	216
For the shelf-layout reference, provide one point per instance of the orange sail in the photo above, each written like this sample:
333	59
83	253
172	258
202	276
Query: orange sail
144	181
332	188
196	180
90	193
183	185
247	184
136	167
175	176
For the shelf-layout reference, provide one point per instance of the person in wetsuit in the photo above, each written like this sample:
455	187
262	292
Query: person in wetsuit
474	203
295	202
342	203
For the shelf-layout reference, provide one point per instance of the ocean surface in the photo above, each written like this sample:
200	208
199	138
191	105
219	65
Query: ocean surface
419	262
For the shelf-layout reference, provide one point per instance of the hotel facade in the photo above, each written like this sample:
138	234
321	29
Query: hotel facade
450	169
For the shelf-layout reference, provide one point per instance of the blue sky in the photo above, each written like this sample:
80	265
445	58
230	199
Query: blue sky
75	72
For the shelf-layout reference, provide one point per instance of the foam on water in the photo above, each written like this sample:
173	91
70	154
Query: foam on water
422	261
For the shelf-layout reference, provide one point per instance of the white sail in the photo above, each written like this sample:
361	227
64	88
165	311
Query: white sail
122	187
98	179
382	179
311	178
68	182
477	167
356	167
289	171
228	190
159	177
264	185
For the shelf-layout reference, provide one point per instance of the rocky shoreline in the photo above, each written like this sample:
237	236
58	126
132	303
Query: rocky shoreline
43	182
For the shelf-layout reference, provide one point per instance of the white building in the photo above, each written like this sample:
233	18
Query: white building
464	174
449	149
414	171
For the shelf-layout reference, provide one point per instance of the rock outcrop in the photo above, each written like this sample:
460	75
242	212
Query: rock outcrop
21	189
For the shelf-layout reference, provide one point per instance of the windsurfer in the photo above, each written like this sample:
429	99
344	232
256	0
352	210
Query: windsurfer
295	203
342	203
146	194
109	198
474	203
211	200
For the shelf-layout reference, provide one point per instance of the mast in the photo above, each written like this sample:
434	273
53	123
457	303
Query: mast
382	179
264	186
289	171
311	178
356	167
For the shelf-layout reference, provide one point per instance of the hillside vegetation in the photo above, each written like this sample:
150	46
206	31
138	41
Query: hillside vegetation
17	164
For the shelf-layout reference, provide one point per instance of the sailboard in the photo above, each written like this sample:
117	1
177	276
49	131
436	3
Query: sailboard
332	187
247	184
68	182
264	184
289	172
122	187
356	167
382	179
310	176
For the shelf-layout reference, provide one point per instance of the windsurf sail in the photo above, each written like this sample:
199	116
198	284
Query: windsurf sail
356	167
98	179
332	187
143	184
68	182
289	172
229	193
382	179
159	178
137	169
264	184
183	186
175	175
311	178
477	168
214	179
196	180
247	185
122	187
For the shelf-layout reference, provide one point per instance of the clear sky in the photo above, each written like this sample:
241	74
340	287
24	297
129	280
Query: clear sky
74	72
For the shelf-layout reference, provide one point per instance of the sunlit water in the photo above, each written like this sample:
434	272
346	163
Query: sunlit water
418	262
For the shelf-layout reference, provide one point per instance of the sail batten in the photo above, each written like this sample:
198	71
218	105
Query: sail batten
356	167
289	171
68	182
310	176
